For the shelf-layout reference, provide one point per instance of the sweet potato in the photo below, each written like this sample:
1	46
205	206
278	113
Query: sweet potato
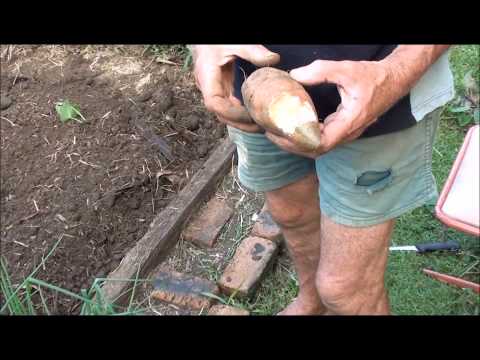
282	106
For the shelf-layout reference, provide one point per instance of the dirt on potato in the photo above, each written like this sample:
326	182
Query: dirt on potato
95	184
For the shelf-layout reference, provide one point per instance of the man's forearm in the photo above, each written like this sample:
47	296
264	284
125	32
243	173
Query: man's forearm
407	64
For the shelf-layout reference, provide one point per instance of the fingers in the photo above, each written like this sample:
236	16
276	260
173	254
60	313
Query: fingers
283	143
250	128
216	87
226	109
231	112
320	71
256	54
234	114
337	128
286	144
214	77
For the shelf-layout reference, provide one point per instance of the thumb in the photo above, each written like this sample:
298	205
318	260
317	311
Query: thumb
318	72
257	54
337	128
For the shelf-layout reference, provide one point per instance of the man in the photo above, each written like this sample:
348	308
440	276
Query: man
337	205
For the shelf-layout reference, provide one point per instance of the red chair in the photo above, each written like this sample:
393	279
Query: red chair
459	204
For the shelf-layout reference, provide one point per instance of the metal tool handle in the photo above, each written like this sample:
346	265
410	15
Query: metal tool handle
449	245
452	280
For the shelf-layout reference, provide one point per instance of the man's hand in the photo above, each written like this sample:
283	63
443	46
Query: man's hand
213	71
367	90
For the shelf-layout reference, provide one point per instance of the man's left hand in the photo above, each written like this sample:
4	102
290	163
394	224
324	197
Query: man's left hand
367	90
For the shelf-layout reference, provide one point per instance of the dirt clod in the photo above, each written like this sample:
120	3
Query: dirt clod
5	102
219	131
202	149
109	201
192	122
145	96
163	99
207	124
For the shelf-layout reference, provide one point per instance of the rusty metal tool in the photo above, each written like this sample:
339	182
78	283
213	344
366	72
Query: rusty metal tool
452	280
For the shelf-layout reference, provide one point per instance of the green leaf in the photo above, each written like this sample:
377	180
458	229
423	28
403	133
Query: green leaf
68	111
464	119
459	109
476	116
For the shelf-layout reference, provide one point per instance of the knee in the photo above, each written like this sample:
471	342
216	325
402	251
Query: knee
292	214
337	293
348	295
296	204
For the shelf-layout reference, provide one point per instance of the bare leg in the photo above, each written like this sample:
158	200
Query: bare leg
295	208
351	272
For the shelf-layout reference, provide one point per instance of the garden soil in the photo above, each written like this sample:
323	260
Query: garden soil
97	183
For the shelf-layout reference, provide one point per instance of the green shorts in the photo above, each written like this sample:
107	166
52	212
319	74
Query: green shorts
365	182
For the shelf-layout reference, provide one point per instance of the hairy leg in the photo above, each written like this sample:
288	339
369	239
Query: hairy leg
295	208
351	273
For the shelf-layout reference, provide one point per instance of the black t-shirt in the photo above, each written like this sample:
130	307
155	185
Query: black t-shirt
326	97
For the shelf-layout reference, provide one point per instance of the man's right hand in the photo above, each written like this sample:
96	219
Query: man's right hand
213	71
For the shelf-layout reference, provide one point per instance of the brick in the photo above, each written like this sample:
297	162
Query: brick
266	227
248	265
183	290
206	227
226	310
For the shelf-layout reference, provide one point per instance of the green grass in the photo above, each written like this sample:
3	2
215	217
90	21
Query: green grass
29	298
462	60
411	292
175	53
465	62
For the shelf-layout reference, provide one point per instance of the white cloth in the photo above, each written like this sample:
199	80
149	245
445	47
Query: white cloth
434	89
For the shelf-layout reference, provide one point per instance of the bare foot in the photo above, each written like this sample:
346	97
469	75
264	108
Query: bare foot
299	307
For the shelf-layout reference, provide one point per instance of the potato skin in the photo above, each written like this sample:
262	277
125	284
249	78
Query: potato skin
282	106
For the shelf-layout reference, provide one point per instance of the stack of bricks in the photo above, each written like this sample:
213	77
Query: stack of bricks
241	277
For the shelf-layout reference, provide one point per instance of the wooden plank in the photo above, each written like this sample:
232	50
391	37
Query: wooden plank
165	229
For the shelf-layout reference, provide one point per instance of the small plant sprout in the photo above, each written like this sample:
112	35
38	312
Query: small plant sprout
68	111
